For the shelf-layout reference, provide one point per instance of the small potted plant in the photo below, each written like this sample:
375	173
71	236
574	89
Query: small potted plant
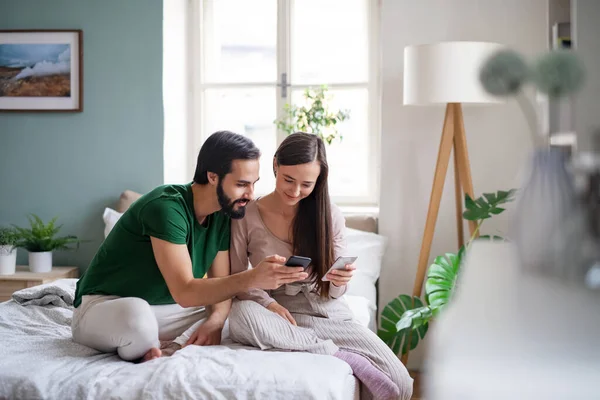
8	250
40	241
314	115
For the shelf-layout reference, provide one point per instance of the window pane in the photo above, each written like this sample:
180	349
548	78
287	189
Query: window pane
240	41
349	159
329	41
248	111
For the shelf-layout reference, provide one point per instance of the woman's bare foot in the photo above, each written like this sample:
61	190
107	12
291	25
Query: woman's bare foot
151	354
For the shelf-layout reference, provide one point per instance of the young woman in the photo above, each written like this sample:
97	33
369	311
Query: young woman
297	218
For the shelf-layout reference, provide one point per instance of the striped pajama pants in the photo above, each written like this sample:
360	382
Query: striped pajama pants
324	327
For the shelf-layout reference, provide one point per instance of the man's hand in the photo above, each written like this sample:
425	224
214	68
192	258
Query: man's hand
271	273
282	311
341	277
207	334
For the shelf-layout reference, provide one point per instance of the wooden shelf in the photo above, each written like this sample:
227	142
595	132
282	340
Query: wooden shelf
23	273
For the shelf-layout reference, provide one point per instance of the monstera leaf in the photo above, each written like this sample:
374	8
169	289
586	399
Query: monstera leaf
487	205
401	341
404	323
441	280
405	320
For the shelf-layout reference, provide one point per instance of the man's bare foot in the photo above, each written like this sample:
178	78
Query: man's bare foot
151	354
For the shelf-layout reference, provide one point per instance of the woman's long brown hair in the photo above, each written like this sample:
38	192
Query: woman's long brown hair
312	233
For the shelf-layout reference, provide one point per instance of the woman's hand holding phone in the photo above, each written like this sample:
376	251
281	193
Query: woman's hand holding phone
341	277
341	271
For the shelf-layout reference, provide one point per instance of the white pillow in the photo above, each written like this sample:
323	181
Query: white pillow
363	310
361	286
110	217
369	247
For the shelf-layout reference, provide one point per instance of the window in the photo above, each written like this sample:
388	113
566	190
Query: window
253	57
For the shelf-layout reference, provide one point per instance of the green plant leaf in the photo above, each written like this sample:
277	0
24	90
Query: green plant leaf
404	324
41	237
487	205
469	203
490	197
314	116
441	279
493	238
401	312
413	319
9	237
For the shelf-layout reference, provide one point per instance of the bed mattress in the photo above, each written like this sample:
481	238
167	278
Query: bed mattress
38	359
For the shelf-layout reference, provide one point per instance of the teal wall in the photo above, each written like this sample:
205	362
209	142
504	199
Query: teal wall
73	165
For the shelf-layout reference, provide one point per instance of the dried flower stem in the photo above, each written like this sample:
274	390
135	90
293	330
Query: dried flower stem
531	117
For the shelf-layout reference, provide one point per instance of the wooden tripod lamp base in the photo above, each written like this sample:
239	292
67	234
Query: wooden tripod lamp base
453	136
446	73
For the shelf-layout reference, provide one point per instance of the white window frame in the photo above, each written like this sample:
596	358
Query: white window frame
197	87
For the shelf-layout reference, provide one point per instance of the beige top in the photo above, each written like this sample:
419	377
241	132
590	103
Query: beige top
252	241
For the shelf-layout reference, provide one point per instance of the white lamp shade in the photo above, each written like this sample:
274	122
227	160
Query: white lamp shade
446	73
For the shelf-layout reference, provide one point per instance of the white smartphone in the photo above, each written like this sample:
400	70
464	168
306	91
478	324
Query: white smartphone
340	263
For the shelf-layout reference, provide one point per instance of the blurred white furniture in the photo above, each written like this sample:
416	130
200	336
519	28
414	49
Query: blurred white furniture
508	335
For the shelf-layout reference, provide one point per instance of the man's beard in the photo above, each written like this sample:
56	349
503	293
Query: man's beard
227	205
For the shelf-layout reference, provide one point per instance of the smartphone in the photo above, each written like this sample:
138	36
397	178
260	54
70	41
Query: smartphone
298	261
340	263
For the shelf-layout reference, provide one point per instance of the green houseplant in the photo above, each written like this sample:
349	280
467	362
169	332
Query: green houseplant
314	116
405	319
8	250
40	241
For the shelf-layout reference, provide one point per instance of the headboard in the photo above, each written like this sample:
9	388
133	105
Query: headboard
360	222
367	223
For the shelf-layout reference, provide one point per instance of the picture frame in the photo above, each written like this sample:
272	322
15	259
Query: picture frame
41	70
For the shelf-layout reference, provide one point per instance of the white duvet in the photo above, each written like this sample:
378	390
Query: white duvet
38	360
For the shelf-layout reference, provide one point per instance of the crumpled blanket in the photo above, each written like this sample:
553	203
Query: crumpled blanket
58	293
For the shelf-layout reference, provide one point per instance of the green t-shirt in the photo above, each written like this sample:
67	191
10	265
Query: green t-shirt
124	264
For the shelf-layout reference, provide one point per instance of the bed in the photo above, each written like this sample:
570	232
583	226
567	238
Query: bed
38	359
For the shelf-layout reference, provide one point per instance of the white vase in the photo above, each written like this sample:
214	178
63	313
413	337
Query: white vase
40	262
8	260
548	227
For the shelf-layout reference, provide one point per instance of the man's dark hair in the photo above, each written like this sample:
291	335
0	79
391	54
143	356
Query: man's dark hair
219	151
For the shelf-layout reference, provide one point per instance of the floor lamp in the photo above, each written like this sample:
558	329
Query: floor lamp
446	73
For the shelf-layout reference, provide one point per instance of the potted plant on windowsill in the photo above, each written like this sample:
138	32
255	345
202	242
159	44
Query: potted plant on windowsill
40	241
314	116
8	250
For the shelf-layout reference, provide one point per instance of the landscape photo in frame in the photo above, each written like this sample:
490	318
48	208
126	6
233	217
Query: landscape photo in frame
41	70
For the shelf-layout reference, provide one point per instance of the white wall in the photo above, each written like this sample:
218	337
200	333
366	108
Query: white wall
497	135
586	32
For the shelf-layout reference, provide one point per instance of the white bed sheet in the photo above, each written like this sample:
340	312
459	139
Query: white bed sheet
38	359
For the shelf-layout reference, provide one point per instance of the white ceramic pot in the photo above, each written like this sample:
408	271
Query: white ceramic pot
8	260
40	262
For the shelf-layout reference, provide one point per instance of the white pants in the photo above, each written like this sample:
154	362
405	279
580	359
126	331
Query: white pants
130	326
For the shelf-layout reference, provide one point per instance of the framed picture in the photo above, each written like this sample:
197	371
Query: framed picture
41	70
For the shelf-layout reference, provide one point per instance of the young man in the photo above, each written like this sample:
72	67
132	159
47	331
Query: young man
146	281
